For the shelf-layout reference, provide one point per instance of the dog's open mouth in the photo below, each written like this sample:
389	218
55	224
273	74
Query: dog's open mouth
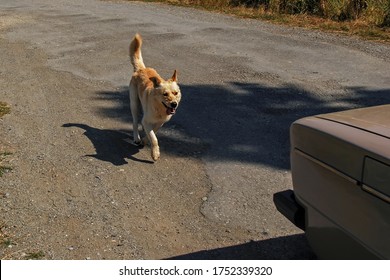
170	110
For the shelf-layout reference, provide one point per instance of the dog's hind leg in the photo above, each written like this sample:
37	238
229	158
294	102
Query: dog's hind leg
135	106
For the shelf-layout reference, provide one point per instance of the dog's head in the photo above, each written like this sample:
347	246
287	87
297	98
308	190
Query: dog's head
167	92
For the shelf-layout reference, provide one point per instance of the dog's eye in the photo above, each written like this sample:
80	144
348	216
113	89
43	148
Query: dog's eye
165	94
174	93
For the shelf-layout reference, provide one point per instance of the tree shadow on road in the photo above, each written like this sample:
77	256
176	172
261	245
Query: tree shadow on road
121	109
293	247
110	145
246	122
243	122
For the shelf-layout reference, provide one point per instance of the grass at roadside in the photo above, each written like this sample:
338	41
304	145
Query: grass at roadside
4	109
5	238
9	241
367	19
4	169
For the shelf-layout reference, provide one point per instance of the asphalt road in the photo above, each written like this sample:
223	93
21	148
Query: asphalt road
78	190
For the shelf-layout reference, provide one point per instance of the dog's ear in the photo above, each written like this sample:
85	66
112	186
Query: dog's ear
156	81
174	76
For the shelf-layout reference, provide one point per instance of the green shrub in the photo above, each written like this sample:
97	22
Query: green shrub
377	12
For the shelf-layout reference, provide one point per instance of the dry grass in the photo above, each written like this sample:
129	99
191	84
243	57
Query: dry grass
368	19
4	109
5	239
4	169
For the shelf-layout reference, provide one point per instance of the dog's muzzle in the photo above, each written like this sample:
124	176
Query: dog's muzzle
171	109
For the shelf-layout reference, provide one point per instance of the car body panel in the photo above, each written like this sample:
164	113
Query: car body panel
340	164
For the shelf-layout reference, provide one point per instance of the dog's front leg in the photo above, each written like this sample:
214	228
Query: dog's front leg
145	139
153	141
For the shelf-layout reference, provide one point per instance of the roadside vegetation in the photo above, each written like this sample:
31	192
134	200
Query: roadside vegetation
4	109
4	168
369	19
5	240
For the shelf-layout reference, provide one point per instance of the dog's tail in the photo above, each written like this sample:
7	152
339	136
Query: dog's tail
135	53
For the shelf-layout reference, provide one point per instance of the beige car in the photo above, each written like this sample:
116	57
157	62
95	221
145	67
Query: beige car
340	164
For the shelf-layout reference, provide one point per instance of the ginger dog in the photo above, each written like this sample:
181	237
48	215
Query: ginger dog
152	97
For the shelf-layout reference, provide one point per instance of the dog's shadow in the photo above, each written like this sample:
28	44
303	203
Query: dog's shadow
110	145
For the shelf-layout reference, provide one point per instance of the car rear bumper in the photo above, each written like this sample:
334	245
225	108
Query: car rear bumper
286	204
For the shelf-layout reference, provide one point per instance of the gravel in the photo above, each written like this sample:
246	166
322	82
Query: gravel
79	190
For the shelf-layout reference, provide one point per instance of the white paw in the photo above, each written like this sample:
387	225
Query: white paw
155	153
